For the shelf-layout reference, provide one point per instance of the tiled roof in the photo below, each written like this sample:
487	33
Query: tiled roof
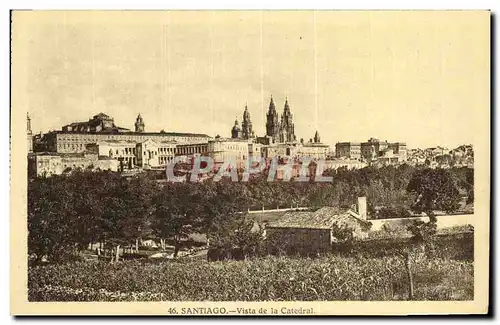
323	218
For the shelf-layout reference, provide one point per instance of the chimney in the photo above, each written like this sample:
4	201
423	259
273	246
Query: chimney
362	207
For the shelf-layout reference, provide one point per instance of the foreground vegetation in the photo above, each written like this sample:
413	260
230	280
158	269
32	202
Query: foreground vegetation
260	279
67	213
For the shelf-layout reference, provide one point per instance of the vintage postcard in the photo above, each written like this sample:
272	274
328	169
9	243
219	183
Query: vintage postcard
278	163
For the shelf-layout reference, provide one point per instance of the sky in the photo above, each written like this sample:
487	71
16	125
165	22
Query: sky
415	77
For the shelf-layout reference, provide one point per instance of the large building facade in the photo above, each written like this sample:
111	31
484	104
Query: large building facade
102	138
74	137
223	150
52	163
373	150
351	150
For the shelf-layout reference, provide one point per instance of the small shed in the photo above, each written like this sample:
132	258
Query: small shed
314	231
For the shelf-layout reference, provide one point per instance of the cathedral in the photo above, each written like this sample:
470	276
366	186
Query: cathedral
280	131
277	131
287	128
245	132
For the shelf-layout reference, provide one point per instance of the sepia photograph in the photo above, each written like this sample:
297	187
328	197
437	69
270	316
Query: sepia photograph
263	162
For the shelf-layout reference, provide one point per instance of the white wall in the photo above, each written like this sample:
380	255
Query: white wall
443	221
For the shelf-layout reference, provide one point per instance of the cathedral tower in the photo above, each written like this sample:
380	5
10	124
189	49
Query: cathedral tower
139	124
317	139
246	125
272	124
287	128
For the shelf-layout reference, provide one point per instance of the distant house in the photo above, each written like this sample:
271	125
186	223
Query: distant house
313	232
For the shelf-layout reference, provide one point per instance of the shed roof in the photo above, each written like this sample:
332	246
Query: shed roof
323	218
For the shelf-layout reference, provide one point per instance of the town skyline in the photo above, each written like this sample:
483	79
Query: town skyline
187	77
227	134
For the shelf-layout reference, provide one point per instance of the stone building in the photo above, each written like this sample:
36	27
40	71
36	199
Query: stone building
279	150
73	138
46	164
130	149
191	149
147	153
313	149
351	150
306	232
225	150
123	151
98	123
344	163
154	154
373	150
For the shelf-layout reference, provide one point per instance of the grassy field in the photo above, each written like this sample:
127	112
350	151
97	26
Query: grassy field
259	279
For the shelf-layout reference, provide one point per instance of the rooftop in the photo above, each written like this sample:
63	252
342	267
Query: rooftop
314	144
230	140
320	219
116	131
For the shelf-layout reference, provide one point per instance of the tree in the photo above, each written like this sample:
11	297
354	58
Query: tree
177	212
87	204
126	212
49	215
225	222
435	190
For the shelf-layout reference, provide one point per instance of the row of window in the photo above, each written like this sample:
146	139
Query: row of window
100	137
189	150
78	146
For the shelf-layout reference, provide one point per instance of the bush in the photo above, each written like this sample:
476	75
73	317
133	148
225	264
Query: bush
454	246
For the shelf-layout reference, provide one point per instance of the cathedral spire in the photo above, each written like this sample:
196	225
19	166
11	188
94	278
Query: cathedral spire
271	105
272	123
287	128
287	108
139	124
317	139
246	124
